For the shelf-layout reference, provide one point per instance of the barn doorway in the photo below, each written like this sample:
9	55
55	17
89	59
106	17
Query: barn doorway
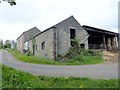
72	36
33	49
72	33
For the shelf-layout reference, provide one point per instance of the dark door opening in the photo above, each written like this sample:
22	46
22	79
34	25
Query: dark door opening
33	49
72	36
72	33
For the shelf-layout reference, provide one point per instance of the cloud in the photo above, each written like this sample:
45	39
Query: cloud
11	32
45	13
23	12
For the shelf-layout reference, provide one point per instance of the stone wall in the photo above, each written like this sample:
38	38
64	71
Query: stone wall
25	37
63	35
47	38
30	45
20	43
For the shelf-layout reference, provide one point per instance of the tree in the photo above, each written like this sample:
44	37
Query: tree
7	44
1	44
11	2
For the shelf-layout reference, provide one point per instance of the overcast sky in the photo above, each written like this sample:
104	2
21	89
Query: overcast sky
45	13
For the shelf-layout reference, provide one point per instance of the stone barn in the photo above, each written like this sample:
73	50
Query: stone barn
24	37
57	39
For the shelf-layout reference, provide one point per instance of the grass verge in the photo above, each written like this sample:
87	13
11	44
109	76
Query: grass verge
77	60
17	79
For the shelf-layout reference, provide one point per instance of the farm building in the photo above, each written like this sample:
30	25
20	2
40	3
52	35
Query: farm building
24	37
58	39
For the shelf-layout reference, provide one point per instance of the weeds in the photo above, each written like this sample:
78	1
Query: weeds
17	79
85	57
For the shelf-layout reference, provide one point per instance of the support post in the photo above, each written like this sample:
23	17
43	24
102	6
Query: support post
104	43
114	41
109	43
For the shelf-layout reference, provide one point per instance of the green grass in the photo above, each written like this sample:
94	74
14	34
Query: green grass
0	76
77	60
17	79
81	59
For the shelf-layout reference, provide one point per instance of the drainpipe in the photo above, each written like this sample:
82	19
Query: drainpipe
55	43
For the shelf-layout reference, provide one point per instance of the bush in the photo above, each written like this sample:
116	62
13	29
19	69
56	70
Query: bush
89	53
73	51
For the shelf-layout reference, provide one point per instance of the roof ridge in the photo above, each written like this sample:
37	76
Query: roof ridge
28	31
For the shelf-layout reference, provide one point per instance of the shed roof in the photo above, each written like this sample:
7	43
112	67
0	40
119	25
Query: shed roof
94	29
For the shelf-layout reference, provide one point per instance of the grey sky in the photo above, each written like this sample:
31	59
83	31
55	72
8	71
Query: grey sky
44	13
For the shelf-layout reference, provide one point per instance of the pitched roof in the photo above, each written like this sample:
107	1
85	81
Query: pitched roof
54	26
71	17
89	28
30	33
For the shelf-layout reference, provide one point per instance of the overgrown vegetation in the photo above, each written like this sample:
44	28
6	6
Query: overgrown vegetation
7	44
17	79
86	57
81	56
73	51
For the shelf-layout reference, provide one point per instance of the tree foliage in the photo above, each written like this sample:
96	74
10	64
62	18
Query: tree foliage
11	2
7	44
